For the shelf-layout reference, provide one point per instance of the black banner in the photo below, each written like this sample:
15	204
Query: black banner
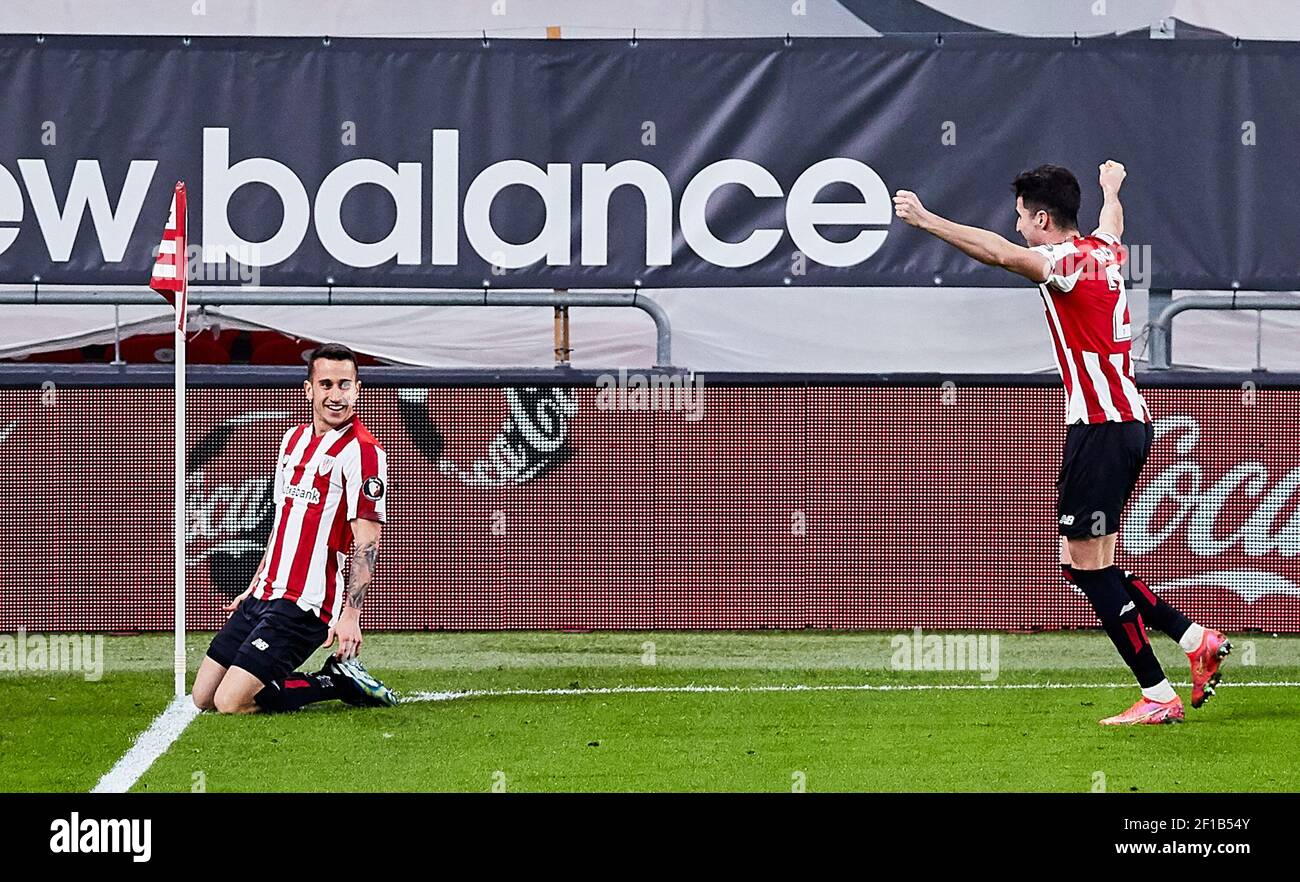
607	163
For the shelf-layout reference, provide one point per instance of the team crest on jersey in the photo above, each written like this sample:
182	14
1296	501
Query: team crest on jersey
373	488
326	463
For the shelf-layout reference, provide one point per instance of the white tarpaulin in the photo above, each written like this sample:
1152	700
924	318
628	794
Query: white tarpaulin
1249	19
445	18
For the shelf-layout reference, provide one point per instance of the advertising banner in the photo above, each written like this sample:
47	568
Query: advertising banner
609	163
715	507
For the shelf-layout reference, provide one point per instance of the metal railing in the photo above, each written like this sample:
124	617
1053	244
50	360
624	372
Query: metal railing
227	295
1162	308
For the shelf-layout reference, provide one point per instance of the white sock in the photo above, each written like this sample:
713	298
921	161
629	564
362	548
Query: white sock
1162	692
1191	641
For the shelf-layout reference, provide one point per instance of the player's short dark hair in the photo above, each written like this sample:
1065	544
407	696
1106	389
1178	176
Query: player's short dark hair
332	352
1052	189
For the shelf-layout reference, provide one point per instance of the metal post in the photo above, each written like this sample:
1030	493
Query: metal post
562	349
1259	340
117	334
1159	335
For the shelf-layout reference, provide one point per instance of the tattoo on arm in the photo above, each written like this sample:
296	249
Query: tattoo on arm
363	569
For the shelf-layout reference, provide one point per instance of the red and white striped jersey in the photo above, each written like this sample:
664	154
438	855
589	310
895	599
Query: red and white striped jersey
1087	315
321	485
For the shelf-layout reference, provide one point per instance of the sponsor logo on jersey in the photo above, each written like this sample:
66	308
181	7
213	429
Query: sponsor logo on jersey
310	494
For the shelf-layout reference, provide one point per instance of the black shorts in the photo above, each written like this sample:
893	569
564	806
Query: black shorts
268	638
1099	470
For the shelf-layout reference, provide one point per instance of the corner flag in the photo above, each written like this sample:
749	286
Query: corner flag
170	279
169	272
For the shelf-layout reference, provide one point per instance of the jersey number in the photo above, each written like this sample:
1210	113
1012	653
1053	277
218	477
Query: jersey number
1123	328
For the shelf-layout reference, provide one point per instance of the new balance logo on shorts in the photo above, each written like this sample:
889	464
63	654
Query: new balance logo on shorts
261	644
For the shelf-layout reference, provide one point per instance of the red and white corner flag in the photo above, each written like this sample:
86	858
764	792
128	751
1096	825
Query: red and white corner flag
170	279
169	272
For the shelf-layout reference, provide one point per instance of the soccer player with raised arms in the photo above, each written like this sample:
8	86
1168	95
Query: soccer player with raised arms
1109	430
331	483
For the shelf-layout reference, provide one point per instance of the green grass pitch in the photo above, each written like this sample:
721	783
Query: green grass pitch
62	732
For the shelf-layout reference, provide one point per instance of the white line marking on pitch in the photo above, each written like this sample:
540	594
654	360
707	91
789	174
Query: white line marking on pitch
843	687
152	743
168	725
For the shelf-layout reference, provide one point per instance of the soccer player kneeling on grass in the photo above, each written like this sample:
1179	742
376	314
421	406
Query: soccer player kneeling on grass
1109	430
330	484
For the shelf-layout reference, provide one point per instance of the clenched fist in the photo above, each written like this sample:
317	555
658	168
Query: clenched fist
908	207
1111	175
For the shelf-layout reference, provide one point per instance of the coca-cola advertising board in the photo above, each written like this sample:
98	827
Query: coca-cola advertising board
759	506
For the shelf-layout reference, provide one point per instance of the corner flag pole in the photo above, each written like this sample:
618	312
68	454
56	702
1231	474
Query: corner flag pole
181	309
170	278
